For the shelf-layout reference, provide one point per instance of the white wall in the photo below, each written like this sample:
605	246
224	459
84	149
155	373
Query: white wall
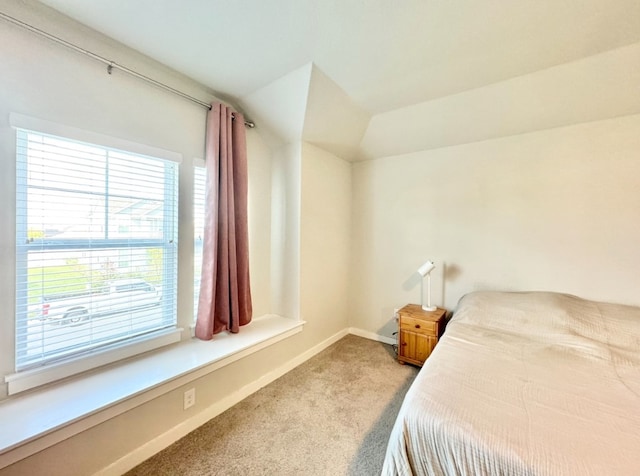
260	219
285	230
325	230
550	205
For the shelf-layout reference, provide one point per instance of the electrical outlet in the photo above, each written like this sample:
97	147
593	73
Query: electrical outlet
189	398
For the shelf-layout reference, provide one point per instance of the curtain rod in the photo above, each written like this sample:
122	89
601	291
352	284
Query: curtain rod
110	64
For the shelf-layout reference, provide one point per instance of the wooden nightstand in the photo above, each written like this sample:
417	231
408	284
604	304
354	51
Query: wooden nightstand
418	333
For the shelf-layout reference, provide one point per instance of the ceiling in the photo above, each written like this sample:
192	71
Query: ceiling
384	54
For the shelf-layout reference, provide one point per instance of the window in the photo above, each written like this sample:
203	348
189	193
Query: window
199	187
96	248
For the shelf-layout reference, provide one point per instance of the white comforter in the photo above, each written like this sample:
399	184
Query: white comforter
525	384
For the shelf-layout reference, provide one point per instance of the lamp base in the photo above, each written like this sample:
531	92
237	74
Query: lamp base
429	308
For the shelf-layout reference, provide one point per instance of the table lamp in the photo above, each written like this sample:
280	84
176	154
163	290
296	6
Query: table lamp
425	270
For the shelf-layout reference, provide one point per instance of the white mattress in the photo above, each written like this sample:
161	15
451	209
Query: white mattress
525	384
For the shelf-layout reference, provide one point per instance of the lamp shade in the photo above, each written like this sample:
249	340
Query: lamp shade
426	268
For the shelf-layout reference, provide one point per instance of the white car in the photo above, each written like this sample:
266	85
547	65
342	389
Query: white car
121	295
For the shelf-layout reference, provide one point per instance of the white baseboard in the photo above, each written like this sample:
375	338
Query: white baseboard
372	336
156	445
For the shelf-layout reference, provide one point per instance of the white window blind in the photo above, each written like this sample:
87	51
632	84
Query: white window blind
96	248
199	190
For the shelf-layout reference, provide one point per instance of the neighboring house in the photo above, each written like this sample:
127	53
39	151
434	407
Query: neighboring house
131	218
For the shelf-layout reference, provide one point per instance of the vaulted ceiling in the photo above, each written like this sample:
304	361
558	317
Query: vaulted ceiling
384	55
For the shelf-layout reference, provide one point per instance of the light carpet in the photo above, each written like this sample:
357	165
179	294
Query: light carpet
331	415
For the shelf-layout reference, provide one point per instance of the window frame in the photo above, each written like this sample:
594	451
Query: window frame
199	166
29	377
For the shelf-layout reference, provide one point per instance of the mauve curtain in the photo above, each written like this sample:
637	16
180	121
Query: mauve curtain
225	293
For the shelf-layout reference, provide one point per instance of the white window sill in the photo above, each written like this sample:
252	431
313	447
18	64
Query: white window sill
38	419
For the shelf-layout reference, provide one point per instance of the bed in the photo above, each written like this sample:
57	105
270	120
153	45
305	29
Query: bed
525	384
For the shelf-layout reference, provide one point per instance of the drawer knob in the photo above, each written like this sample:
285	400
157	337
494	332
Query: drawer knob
417	326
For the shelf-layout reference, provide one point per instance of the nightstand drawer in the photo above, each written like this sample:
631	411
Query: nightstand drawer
419	325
